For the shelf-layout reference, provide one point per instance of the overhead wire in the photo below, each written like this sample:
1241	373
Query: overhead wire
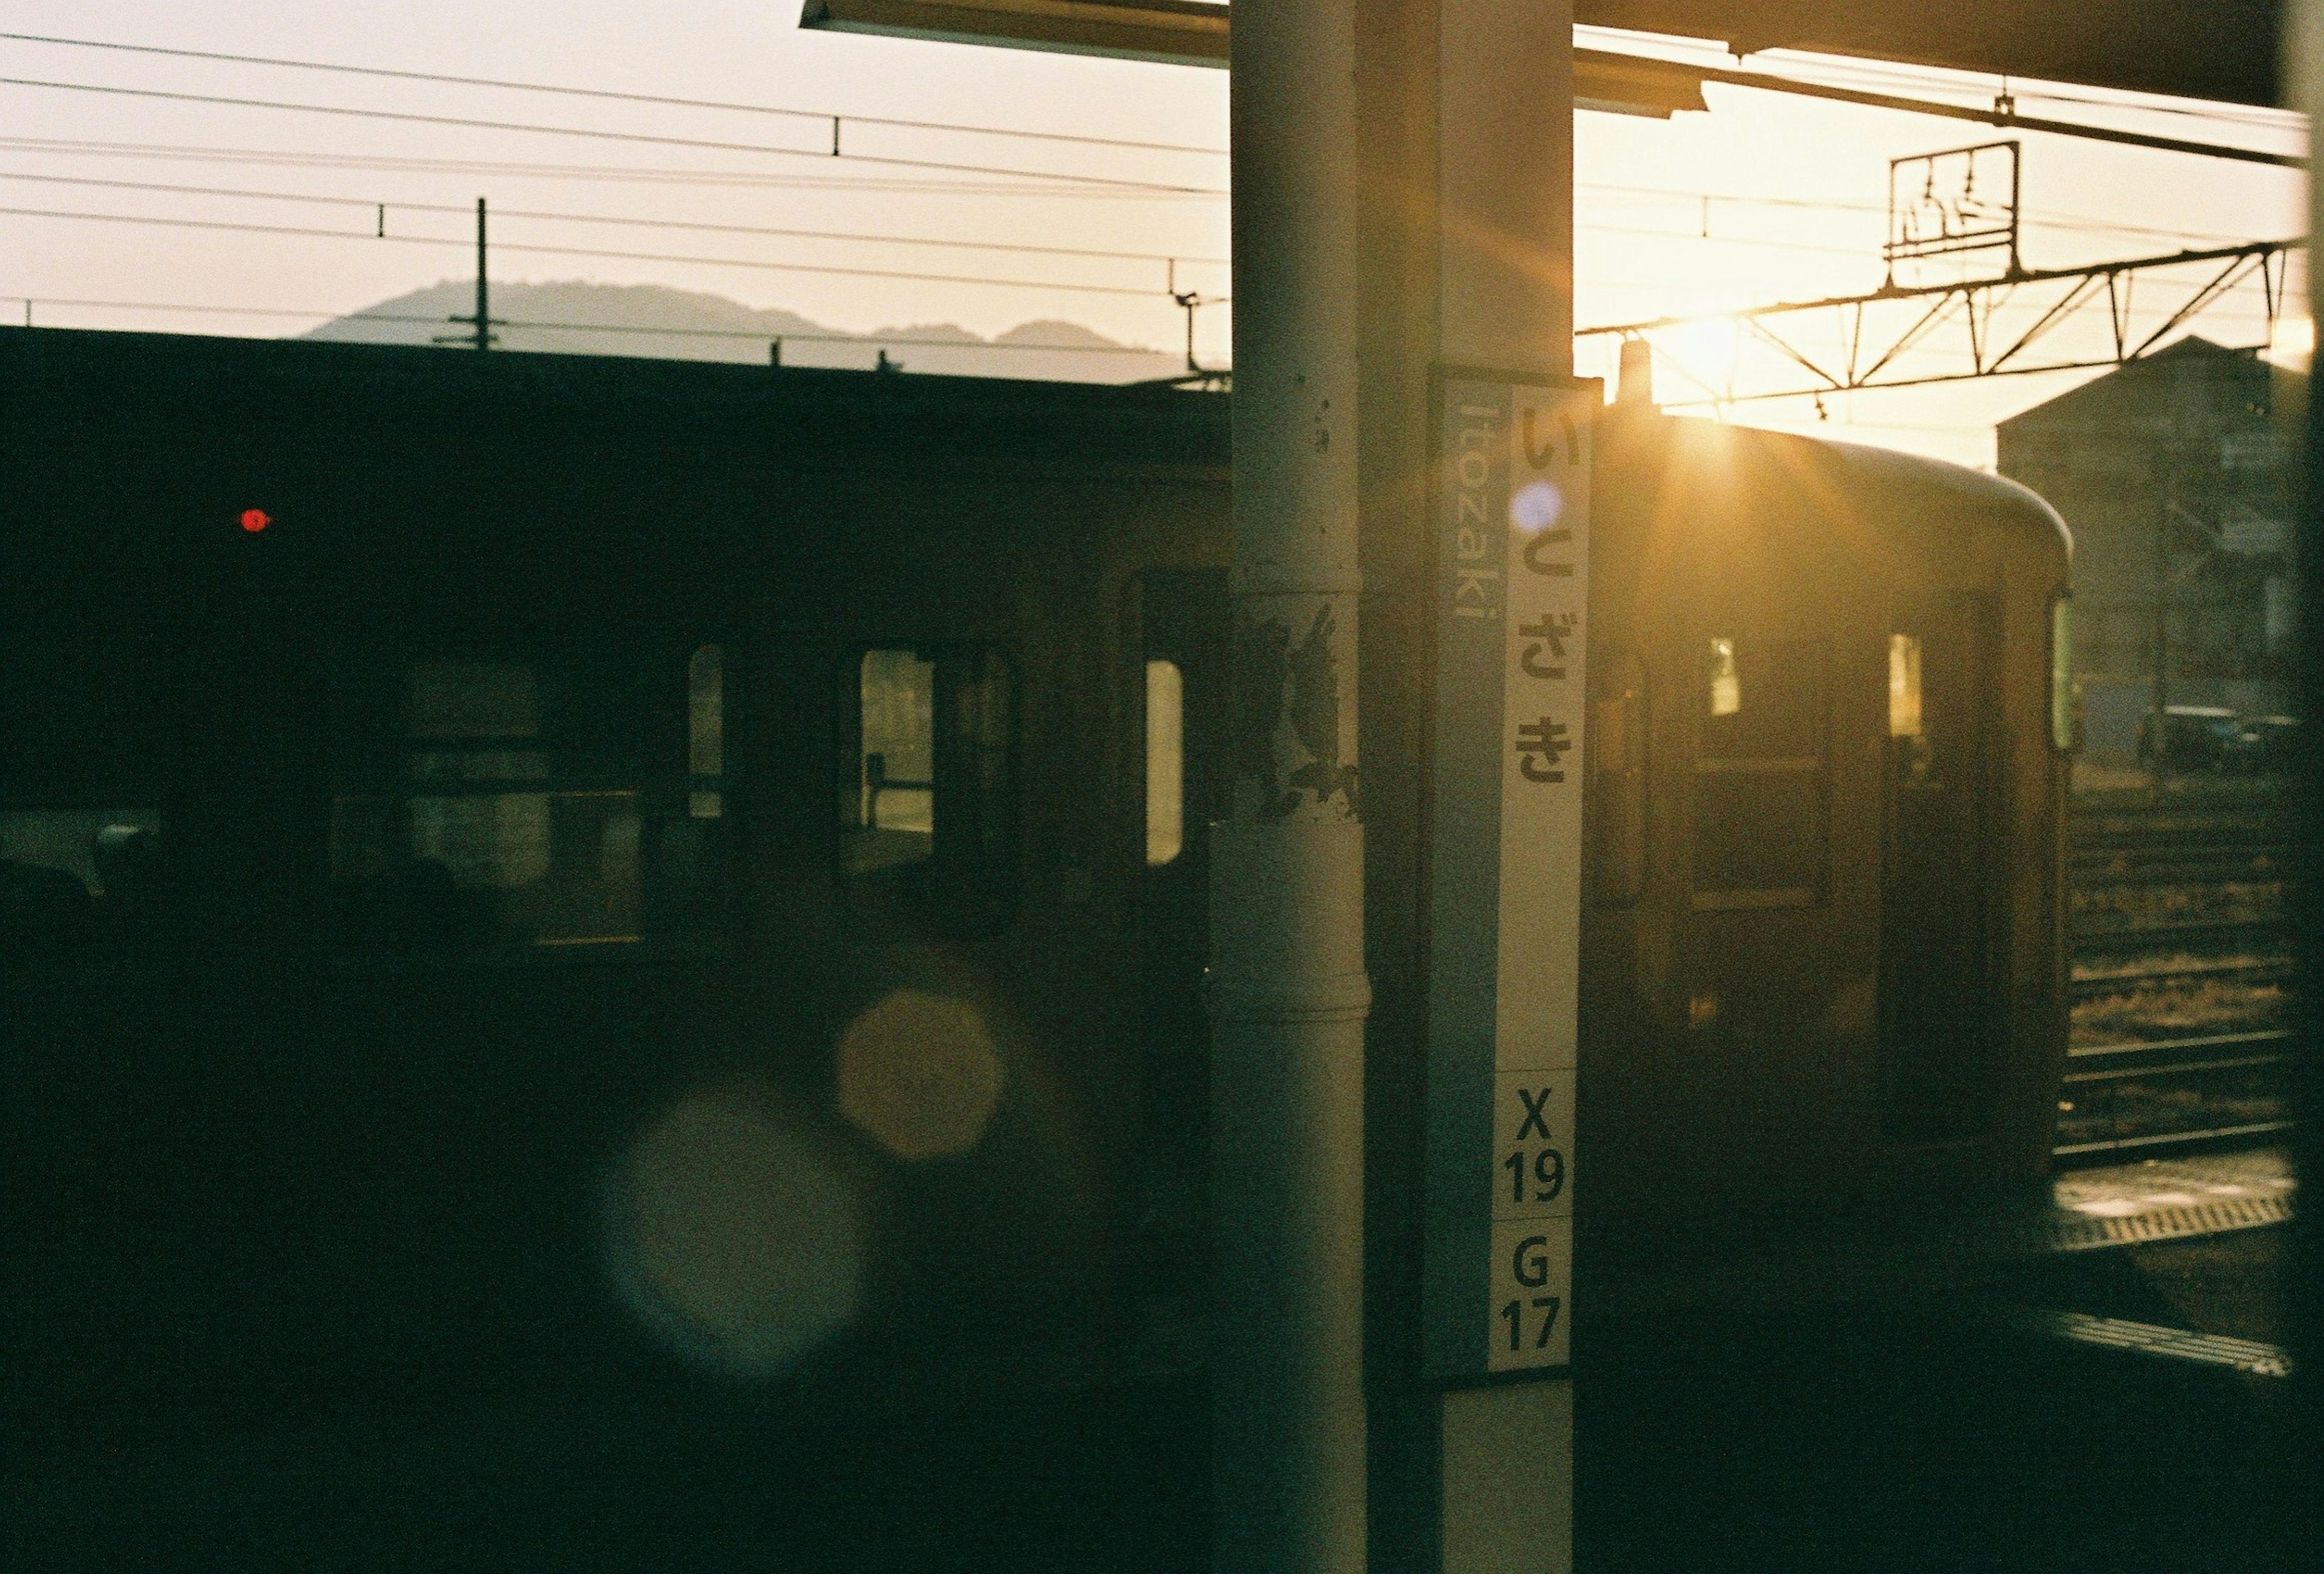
2043	218
2001	113
2038	218
1037	179
242	193
771	179
1808	67
2034	217
867	341
467	123
612	94
539	249
1896	73
747	229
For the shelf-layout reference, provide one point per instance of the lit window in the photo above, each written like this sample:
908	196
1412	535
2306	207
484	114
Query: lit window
2062	671
1760	788
1165	761
895	815
1903	685
928	785
500	804
1726	683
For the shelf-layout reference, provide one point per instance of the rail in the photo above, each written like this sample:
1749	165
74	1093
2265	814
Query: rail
2155	1145
2252	970
2130	864
2106	868
2163	1057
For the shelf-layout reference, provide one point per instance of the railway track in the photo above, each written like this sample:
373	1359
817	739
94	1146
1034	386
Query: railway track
2138	868
2178	971
2234	937
2171	896
2088	1065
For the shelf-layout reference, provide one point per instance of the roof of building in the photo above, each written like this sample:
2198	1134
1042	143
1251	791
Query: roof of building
2169	372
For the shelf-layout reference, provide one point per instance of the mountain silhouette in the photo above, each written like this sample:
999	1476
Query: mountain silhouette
576	317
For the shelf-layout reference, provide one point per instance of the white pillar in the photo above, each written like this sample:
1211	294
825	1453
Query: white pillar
1505	184
1288	990
1288	993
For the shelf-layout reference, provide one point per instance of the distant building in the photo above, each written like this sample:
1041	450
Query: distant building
2178	476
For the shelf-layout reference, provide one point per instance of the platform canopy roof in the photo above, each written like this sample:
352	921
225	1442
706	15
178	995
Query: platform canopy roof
2222	50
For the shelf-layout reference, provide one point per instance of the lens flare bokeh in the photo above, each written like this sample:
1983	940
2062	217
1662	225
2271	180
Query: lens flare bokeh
735	1238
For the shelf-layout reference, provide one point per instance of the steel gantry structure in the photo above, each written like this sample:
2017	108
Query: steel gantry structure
1969	312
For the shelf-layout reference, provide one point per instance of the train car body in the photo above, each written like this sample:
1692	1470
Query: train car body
689	881
1823	986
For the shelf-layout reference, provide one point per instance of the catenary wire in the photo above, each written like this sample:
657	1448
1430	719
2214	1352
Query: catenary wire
654	139
2043	218
612	94
1994	115
742	229
619	172
1994	84
2035	218
245	194
756	335
867	340
1816	72
538	249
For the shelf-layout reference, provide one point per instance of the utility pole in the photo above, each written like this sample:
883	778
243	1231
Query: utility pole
480	324
2162	590
1189	301
484	286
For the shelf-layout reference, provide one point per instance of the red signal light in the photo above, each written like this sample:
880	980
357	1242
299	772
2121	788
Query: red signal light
256	520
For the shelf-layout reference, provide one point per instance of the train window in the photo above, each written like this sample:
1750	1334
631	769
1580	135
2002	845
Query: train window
1903	685
1765	701
2062	672
706	732
1166	762
894	822
503	803
1726	682
1760	787
77	885
928	784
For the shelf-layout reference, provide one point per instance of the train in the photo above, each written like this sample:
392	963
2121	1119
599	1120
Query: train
562	888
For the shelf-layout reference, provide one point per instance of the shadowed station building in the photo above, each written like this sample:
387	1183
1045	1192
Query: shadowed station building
2178	474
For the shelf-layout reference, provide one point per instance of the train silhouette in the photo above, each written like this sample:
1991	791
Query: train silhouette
544	881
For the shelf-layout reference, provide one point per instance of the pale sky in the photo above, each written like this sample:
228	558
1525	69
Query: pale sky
1752	147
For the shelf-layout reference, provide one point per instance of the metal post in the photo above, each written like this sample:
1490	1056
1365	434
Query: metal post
2302	60
484	311
1289	990
2162	601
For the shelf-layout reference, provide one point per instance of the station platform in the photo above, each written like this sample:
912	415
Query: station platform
2089	1374
2090	1389
2156	1200
2198	1275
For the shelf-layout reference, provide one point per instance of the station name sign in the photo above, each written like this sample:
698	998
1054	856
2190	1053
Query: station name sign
1512	576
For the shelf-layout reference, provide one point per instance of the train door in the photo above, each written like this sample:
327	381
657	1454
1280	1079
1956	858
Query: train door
1940	1032
1181	619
